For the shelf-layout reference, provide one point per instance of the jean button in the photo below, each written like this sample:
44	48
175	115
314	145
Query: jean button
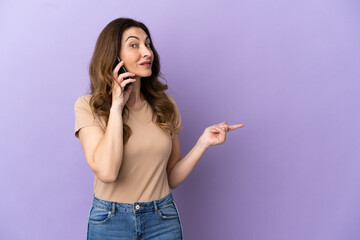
137	207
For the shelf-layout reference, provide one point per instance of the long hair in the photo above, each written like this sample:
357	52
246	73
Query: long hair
107	47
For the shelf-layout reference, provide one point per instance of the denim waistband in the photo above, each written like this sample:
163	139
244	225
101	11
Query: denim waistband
133	207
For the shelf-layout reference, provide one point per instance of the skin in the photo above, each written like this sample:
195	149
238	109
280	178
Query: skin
133	52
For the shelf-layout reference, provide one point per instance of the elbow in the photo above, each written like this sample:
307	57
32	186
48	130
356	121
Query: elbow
172	186
107	177
105	174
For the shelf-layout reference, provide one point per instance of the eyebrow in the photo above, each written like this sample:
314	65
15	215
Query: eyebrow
136	38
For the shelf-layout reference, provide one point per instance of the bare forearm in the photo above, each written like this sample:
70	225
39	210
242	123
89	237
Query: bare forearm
109	152
184	167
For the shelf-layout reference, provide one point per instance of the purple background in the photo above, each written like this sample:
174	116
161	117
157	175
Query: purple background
288	70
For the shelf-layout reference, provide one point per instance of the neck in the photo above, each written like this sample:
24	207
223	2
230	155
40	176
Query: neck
135	96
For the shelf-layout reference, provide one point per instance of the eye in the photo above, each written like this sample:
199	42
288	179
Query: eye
132	44
148	45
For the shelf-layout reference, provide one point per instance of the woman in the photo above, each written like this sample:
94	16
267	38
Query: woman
130	139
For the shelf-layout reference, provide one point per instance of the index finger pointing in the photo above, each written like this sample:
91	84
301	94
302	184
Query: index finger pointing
233	127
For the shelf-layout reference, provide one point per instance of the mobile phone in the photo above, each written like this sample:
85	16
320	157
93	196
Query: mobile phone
122	70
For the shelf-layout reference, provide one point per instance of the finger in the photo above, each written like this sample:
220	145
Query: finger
215	129
236	126
223	124
116	69
125	75
127	81
221	129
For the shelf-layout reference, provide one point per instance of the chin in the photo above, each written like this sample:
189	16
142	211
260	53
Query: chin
144	74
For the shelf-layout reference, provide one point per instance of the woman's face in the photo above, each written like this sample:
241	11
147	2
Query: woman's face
135	50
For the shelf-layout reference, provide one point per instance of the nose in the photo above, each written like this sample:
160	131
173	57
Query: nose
146	52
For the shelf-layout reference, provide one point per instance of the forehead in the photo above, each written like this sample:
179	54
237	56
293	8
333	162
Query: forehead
134	31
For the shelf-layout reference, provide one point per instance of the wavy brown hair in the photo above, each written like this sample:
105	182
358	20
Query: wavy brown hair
107	48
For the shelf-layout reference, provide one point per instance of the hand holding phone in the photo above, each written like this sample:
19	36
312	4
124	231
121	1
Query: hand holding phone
122	70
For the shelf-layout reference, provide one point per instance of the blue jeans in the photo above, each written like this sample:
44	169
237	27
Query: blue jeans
157	220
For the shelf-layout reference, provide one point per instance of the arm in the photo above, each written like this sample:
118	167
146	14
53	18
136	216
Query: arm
104	151
179	169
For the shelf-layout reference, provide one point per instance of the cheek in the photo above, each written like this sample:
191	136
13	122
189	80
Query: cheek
122	55
128	57
126	54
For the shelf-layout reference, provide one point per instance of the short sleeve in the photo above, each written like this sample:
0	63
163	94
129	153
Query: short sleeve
177	122
83	114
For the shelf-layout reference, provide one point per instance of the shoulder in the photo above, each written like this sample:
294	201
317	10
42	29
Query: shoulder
172	100
83	100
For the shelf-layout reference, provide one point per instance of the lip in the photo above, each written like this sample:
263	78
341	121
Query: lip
146	65
146	62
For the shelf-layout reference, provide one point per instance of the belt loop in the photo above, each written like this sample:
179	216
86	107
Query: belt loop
113	209
155	206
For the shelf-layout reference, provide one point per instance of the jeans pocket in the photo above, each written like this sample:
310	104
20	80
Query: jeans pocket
168	211
99	215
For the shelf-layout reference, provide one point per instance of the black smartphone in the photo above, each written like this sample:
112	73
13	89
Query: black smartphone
122	70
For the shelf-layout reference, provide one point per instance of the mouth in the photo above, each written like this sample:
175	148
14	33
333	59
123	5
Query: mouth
146	64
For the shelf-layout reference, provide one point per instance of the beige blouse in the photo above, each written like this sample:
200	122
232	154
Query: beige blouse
142	176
